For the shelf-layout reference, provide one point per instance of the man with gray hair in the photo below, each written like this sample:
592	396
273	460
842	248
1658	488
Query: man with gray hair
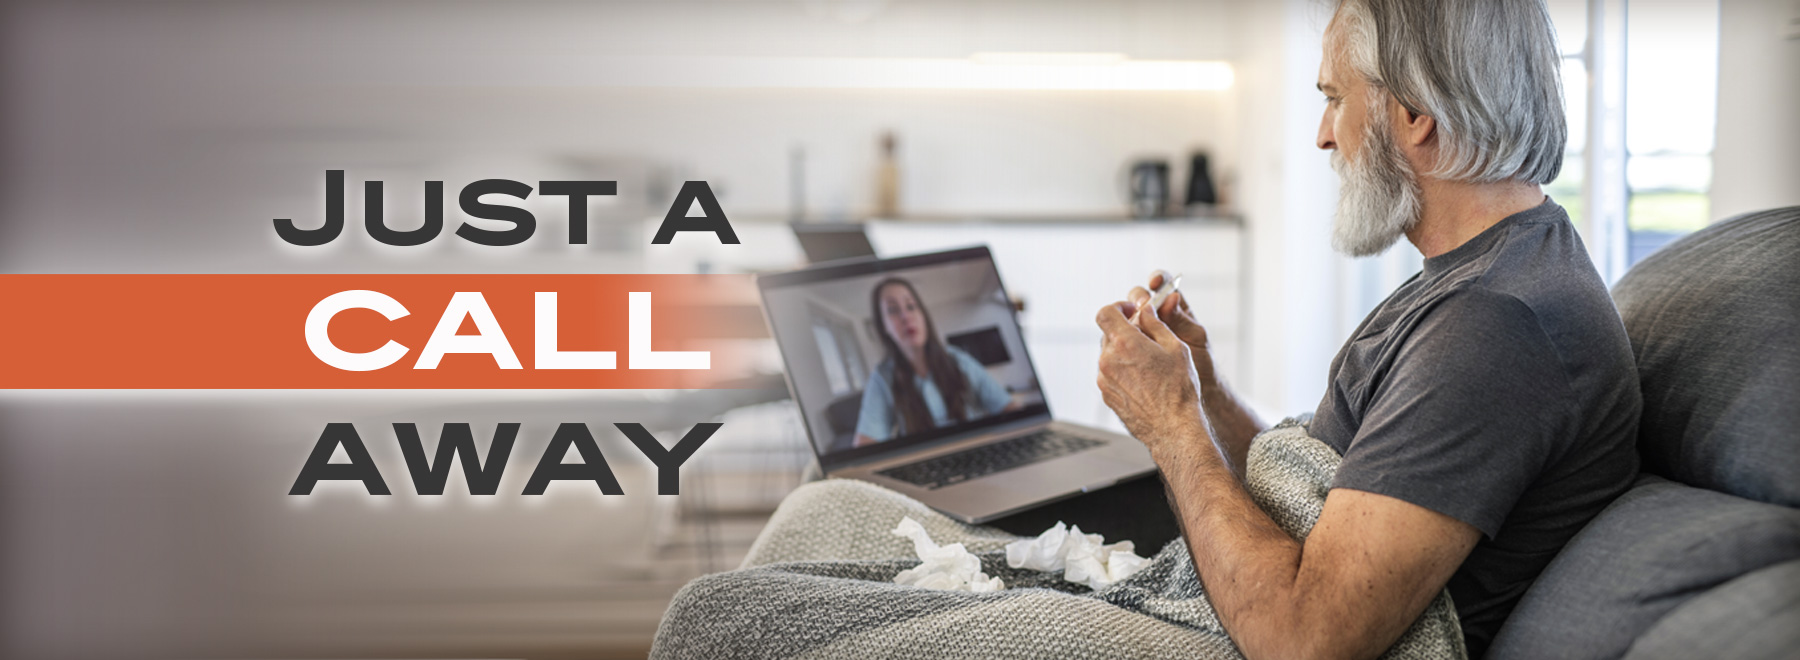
1485	411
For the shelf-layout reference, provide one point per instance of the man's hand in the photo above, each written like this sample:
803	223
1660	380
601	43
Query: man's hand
1175	313
1147	377
1229	422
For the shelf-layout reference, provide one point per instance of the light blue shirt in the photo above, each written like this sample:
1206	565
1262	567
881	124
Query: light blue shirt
881	422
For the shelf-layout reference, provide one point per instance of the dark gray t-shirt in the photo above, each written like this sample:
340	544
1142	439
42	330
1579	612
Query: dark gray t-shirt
1496	387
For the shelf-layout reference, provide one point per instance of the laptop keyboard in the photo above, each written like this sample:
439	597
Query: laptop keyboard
951	469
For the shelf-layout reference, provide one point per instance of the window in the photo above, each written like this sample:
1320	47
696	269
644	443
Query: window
1570	19
1566	189
1640	80
1671	102
840	354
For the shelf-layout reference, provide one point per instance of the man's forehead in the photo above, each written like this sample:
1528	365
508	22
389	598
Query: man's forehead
1333	77
1328	64
1327	83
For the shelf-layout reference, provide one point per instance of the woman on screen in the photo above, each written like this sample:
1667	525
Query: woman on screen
922	384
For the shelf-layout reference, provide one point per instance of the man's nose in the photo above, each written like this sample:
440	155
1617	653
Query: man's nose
1326	140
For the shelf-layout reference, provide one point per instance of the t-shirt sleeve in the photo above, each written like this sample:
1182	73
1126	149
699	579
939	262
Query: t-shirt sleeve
1475	405
876	416
989	392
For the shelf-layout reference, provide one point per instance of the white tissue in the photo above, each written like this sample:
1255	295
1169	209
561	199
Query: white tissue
943	567
1082	558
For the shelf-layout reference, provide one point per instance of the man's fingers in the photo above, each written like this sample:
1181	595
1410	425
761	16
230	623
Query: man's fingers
1111	319
1170	304
1156	279
1138	296
1174	312
1153	326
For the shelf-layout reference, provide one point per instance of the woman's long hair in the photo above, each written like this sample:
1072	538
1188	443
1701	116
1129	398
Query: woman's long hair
951	384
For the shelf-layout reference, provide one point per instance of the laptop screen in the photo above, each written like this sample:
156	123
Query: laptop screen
887	354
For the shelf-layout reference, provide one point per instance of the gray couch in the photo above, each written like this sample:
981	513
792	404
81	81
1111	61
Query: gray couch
1701	558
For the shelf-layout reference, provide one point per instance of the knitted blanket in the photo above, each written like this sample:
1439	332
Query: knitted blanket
818	584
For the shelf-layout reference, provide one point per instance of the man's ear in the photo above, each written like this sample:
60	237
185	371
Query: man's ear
1415	129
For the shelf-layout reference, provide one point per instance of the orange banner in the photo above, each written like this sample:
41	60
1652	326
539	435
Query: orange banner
375	331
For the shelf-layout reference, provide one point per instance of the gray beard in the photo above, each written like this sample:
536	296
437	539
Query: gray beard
1379	194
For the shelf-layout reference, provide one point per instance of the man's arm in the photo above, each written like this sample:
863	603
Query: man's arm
1233	425
1367	570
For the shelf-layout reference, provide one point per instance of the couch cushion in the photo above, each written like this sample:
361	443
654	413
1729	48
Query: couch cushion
1650	551
1755	617
1714	320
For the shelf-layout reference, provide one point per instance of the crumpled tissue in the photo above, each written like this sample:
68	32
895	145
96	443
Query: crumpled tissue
943	567
1082	558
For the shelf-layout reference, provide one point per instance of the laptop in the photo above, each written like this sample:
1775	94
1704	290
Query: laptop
824	242
850	335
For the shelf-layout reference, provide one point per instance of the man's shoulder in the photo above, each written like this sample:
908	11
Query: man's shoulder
1546	315
1543	264
1537	283
1472	319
